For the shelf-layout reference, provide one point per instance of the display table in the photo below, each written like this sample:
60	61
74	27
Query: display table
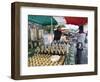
45	60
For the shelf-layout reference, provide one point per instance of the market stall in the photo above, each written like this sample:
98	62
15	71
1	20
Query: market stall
53	39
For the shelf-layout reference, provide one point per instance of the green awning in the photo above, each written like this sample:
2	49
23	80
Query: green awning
42	20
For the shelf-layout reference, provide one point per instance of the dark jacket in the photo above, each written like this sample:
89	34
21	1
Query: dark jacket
57	35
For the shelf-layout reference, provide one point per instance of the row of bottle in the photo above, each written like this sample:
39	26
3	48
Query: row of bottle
58	42
51	50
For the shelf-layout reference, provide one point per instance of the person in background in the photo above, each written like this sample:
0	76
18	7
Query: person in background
57	33
81	55
81	35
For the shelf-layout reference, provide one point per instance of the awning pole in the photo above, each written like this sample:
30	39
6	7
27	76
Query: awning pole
51	26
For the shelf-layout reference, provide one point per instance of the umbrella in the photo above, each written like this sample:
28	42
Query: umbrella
42	20
76	20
